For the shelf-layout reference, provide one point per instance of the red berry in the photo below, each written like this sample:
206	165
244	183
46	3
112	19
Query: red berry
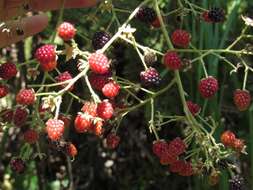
105	109
238	145
8	70
83	123
66	31
71	150
7	115
99	63
181	38
159	147
156	23
150	77
111	89
112	140
17	165
4	90
177	166
46	56
26	97
193	108
228	138
64	77
242	99
186	170
54	129
20	116
90	108
208	87
98	81
177	146
167	158
172	60
31	136
205	17
97	128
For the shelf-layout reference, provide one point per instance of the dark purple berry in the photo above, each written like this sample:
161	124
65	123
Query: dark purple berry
146	14
150	77
17	165
216	14
100	39
236	183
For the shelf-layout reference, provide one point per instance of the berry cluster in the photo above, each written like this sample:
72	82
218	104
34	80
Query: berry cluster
169	152
229	139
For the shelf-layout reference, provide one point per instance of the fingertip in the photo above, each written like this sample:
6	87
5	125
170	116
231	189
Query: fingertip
81	3
36	24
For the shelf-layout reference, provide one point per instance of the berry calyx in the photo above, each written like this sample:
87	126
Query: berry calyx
55	129
242	99
100	39
4	90
105	110
31	136
8	70
181	38
26	97
64	77
66	31
99	63
172	60
150	77
111	89
46	56
228	138
208	87
112	140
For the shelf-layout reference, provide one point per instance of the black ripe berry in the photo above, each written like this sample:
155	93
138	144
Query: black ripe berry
146	14
100	39
236	183
216	14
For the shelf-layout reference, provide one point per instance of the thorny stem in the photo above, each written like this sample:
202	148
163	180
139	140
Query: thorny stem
151	122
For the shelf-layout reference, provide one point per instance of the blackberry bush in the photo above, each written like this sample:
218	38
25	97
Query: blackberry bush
76	105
